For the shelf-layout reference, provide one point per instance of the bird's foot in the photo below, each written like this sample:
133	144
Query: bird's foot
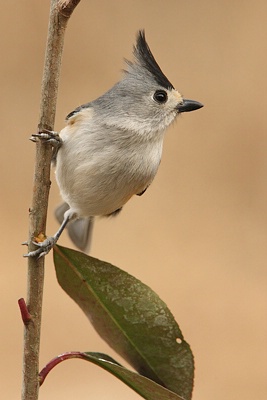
47	136
43	247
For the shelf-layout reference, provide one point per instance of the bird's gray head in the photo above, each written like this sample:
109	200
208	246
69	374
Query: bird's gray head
144	101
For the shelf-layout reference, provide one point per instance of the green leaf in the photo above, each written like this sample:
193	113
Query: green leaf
130	317
145	387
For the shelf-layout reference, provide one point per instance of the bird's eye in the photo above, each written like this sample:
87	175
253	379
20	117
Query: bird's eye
160	96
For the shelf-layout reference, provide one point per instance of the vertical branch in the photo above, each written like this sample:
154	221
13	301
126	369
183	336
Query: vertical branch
60	12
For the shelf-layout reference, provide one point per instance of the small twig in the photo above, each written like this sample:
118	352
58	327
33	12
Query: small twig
55	361
60	12
66	7
25	315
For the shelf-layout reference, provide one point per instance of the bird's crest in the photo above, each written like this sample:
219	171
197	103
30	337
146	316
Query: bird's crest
145	58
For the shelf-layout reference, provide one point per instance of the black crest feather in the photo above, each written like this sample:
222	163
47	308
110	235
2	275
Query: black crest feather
145	57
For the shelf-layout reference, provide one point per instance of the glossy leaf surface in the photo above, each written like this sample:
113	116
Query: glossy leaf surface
148	389
130	317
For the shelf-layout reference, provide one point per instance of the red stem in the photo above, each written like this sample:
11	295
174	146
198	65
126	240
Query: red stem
55	361
25	315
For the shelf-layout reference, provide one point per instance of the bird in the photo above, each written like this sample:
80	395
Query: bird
111	147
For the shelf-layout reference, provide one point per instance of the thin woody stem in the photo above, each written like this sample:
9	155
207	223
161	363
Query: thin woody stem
60	12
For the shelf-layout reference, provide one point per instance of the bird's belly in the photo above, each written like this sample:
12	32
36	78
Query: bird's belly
98	193
103	182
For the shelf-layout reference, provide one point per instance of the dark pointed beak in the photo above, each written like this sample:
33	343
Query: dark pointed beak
188	105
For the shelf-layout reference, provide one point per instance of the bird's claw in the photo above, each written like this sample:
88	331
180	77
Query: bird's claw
47	137
43	248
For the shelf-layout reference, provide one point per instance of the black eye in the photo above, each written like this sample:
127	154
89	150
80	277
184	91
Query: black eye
160	96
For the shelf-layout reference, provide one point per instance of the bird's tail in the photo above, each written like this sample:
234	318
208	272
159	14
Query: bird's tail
79	230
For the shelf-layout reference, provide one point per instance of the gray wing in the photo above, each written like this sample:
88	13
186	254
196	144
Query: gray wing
87	105
143	191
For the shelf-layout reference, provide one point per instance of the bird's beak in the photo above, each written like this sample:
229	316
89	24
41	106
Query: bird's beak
188	105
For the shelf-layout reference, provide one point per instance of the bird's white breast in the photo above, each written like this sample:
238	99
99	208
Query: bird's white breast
99	170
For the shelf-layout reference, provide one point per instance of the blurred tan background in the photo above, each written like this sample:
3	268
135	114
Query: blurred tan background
198	235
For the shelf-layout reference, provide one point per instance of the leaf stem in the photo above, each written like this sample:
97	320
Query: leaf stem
55	361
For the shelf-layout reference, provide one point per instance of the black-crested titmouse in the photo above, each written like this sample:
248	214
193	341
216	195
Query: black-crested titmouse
111	147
